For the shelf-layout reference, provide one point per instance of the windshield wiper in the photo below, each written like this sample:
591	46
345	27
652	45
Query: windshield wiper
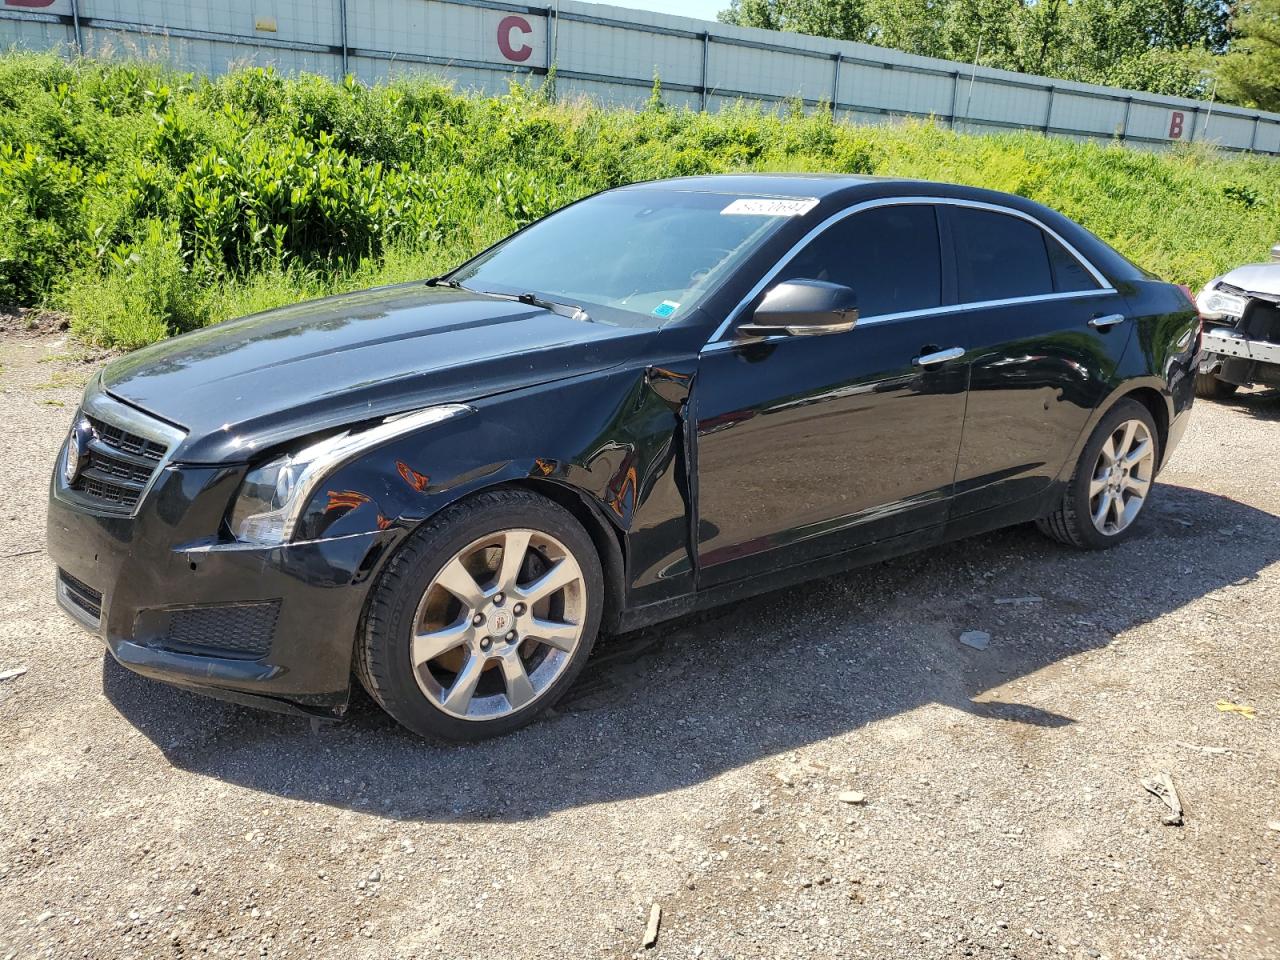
570	310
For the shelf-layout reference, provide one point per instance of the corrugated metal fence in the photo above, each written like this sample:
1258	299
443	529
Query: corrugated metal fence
612	54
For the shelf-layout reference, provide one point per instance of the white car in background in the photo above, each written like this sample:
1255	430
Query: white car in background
1241	313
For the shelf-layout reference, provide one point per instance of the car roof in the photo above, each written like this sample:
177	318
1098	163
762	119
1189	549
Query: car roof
835	190
817	185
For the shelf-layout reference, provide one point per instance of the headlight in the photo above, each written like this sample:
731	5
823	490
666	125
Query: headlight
1214	304
272	496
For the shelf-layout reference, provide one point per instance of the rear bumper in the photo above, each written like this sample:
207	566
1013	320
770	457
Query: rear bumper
269	626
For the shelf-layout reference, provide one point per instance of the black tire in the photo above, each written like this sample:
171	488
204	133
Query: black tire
382	659
1210	387
1071	522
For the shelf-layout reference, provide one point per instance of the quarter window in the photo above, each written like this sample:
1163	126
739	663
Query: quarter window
889	256
1069	274
1000	257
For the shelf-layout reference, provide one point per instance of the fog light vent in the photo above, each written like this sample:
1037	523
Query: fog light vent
81	595
238	630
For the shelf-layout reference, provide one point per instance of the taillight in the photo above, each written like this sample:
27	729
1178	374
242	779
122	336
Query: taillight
1186	291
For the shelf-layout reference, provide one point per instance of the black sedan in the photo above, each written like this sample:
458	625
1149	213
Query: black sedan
659	398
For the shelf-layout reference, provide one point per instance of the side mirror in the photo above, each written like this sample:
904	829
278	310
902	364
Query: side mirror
803	308
1275	253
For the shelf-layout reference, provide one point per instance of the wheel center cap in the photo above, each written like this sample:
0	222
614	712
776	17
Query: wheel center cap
500	622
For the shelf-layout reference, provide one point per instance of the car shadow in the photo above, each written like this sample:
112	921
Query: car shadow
1262	404
678	704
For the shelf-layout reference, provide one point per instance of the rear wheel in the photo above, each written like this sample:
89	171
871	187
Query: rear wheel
484	618
1211	388
1112	482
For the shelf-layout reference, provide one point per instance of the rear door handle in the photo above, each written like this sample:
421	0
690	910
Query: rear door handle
1108	321
941	356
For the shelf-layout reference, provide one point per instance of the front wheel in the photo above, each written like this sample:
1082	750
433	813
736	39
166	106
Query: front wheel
1112	482
484	617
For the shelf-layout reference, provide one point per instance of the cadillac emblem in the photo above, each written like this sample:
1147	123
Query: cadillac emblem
77	450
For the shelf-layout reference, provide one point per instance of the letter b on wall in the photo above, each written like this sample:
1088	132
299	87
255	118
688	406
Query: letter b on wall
1177	121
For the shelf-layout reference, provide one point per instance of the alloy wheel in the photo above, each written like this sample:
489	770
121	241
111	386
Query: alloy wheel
1122	477
498	624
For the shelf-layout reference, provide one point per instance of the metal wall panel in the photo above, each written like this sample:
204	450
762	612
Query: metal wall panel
768	73
1072	111
610	55
40	8
1267	138
449	32
296	21
1230	128
629	96
1150	121
617	52
897	91
204	56
36	34
990	101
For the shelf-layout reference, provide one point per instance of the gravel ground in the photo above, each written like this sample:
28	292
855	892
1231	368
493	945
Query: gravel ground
822	772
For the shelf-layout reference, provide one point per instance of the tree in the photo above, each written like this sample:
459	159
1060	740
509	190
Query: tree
1250	73
840	19
1164	46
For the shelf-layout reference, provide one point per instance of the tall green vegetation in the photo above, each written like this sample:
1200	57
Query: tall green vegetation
145	202
1162	46
1251	72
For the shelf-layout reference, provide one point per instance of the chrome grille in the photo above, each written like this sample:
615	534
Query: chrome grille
107	492
125	441
122	451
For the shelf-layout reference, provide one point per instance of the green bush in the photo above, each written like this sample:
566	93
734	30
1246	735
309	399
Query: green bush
144	293
145	202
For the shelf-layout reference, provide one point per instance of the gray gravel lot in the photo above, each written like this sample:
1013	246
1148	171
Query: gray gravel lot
699	766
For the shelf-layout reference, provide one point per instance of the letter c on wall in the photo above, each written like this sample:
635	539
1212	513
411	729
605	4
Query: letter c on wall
506	27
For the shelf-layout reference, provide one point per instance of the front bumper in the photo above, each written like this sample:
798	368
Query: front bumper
166	566
1232	343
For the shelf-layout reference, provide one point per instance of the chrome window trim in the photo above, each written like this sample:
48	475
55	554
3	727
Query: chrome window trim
1104	286
100	404
927	312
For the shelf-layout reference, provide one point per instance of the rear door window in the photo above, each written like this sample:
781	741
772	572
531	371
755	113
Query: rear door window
1002	257
889	256
998	257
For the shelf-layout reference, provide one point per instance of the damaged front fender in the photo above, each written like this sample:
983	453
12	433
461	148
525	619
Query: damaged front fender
617	438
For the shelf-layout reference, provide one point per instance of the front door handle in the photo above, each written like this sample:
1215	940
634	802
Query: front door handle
1108	321
940	356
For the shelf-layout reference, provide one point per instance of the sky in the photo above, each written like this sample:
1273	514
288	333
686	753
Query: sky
702	9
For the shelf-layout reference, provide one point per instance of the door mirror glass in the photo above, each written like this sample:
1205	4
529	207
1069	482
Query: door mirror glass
803	308
1275	253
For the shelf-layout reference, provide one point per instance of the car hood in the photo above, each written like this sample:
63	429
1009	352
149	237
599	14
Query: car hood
1261	278
248	384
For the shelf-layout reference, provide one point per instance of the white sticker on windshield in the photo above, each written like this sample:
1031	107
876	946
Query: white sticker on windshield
762	207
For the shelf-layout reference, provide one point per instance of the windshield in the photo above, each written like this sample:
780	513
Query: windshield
632	256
